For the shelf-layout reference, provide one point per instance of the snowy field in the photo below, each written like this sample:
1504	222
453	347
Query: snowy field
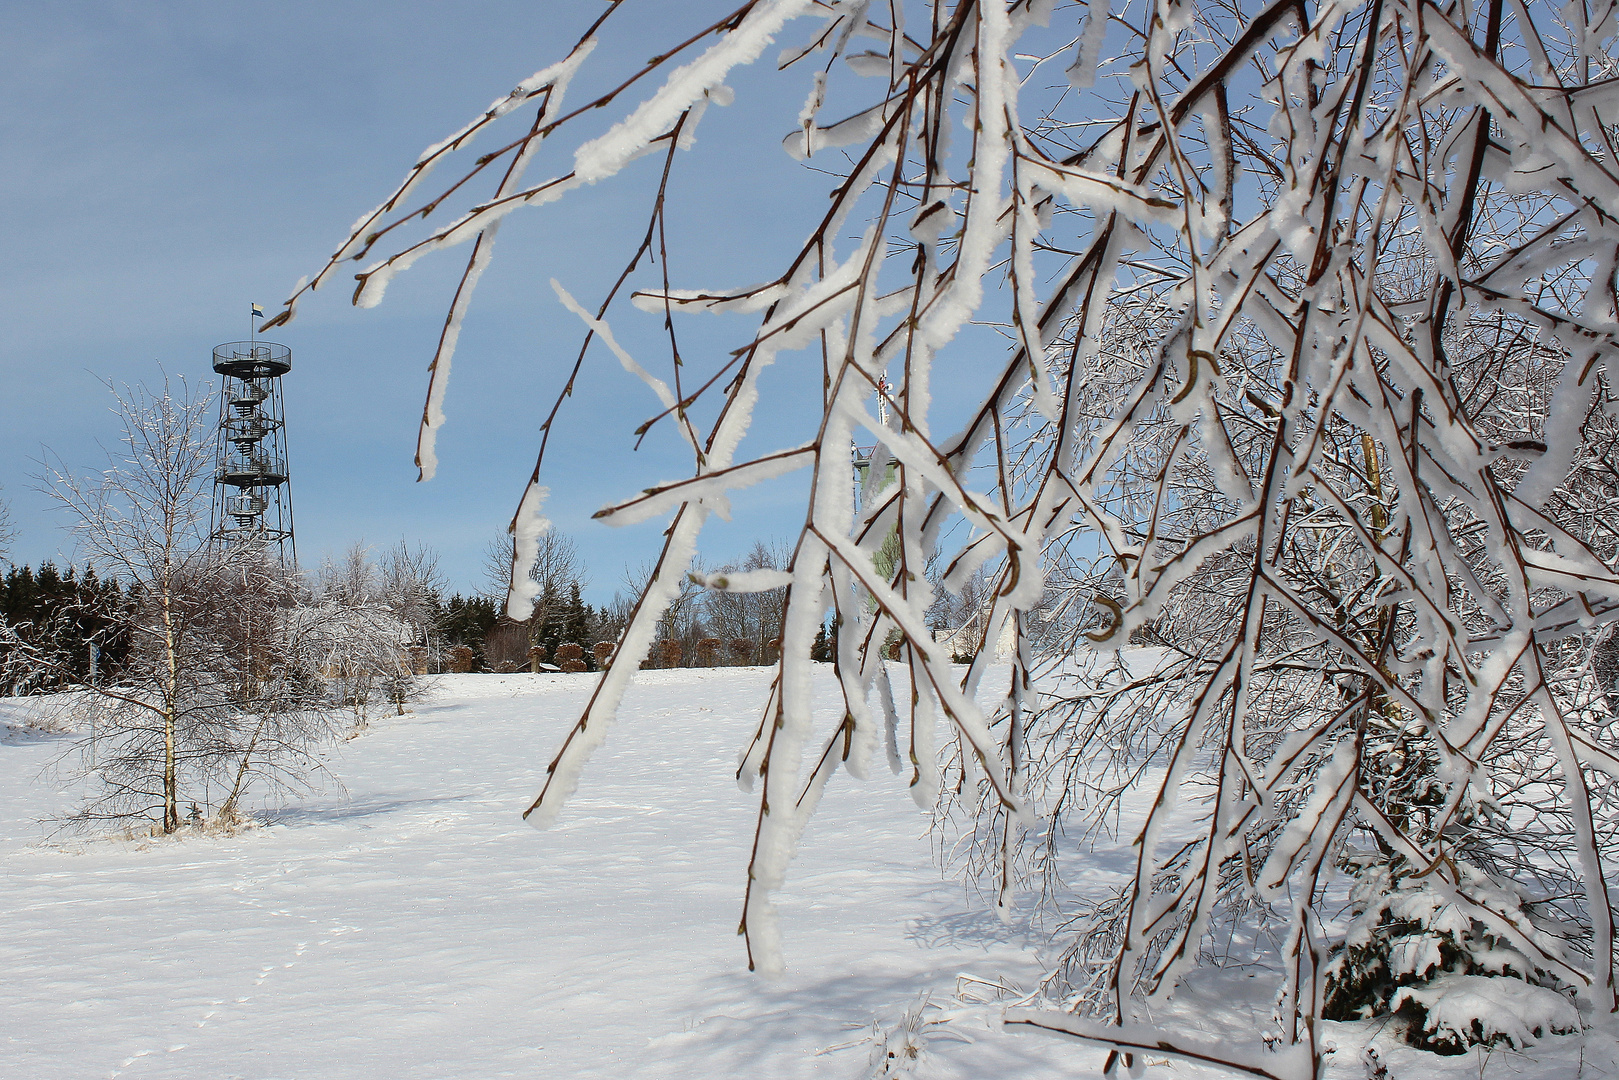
411	926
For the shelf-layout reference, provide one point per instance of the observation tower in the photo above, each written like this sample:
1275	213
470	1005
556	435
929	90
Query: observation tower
252	496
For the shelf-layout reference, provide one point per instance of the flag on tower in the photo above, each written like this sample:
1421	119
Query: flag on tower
258	312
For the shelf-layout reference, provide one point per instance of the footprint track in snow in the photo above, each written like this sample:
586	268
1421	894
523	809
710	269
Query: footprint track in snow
332	933
137	1055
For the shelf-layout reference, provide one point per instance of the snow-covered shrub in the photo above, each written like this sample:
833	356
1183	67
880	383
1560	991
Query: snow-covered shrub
900	1048
897	1050
1410	950
1458	1011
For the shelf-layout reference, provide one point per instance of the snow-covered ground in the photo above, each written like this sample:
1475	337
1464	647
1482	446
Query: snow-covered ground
411	926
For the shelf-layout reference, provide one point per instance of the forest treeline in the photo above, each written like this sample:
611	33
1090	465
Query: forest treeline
83	621
702	628
79	618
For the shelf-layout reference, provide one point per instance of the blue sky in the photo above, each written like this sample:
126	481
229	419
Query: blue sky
167	164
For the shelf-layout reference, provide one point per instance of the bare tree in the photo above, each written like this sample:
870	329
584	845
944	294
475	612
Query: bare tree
28	661
351	578
145	520
409	585
1333	241
681	619
754	617
8	530
370	614
555	564
404	580
217	691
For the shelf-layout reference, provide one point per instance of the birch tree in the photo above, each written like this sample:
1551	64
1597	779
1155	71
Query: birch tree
218	691
1337	238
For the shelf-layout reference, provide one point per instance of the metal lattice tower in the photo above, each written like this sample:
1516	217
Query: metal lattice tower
252	495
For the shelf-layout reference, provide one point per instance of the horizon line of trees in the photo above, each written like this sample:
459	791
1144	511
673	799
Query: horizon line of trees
81	621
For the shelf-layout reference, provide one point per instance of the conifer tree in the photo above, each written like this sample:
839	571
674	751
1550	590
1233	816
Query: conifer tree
575	621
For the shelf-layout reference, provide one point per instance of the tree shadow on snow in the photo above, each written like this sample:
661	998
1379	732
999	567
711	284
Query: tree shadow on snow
306	816
975	926
12	735
824	1026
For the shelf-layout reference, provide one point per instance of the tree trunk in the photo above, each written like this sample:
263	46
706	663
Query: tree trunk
171	793
227	812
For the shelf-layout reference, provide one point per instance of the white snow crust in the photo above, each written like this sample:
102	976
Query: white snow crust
416	928
410	927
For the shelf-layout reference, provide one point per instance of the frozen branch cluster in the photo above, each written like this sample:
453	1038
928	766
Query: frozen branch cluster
1311	312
